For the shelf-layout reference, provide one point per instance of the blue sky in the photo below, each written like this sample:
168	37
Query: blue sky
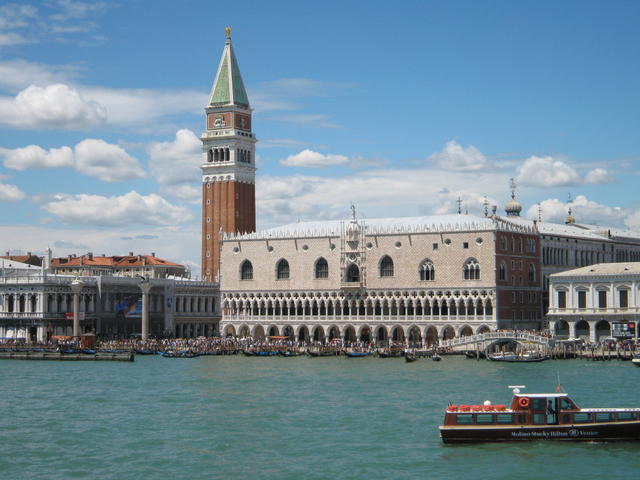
398	107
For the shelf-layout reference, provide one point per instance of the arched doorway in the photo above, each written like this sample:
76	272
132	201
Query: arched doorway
448	333
381	335
431	336
244	331
229	331
349	334
466	331
483	329
397	334
603	329
582	330
334	332
258	333
562	329
303	334
318	334
415	339
365	334
273	331
287	331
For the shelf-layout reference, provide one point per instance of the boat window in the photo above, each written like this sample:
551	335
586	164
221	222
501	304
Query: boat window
464	418
539	403
484	418
626	416
504	418
539	419
581	417
566	418
565	404
604	417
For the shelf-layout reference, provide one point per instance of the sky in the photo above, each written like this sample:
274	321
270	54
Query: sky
396	107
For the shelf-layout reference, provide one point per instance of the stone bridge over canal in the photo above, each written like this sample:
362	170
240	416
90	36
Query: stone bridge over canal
483	341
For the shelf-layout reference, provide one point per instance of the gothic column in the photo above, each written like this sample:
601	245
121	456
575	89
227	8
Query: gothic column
76	288
145	286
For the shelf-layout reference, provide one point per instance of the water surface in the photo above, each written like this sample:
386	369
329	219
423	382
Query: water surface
289	418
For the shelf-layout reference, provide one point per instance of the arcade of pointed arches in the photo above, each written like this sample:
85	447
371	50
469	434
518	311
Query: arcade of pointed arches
377	315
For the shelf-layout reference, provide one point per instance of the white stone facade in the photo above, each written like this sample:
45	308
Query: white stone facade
425	295
595	301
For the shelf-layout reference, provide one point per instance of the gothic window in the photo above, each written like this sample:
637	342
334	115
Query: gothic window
503	271
427	271
471	269
209	155
353	273
282	270
532	272
322	268
246	270
386	266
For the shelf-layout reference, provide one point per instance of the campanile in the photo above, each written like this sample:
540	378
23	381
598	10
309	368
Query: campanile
228	169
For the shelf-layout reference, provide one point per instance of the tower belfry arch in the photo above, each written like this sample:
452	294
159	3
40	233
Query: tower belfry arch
228	166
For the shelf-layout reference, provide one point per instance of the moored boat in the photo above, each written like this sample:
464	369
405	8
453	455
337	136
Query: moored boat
636	360
538	416
410	357
354	354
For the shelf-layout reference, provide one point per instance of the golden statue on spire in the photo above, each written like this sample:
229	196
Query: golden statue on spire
227	31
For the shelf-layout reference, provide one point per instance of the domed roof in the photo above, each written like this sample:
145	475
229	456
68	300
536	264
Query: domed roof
513	208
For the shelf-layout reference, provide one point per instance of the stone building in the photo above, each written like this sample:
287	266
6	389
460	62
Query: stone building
419	279
35	305
596	301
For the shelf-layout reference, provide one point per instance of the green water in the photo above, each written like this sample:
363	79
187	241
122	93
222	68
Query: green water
289	418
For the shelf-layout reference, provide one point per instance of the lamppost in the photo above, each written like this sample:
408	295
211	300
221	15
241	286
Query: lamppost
76	288
145	286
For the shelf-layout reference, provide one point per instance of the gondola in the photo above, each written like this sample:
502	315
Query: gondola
180	355
290	353
435	357
248	353
143	351
410	357
267	353
322	353
357	354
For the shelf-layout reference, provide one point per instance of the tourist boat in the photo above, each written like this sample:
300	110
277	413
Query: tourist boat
636	360
538	416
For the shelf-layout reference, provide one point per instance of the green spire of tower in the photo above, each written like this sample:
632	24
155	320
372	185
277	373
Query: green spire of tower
228	88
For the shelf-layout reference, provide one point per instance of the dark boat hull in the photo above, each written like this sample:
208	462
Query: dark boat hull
590	432
357	354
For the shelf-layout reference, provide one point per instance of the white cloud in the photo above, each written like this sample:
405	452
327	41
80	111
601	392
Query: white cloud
108	162
92	157
598	176
583	210
377	193
34	157
54	106
176	244
128	209
10	38
10	193
546	172
178	161
144	106
456	157
309	158
16	75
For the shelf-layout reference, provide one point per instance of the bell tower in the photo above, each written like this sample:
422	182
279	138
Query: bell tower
228	168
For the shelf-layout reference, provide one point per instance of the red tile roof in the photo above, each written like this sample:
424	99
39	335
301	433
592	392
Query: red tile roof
28	259
114	261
